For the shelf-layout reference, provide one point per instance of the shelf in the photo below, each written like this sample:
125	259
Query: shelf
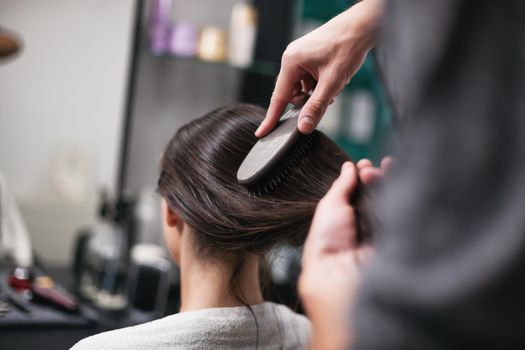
270	69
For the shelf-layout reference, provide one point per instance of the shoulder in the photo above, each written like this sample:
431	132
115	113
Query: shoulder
297	328
292	318
155	334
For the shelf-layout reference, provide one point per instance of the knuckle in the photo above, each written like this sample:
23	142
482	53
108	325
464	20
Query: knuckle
276	98
287	57
323	203
320	205
290	53
316	106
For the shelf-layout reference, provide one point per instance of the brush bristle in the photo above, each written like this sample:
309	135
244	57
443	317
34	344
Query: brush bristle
280	172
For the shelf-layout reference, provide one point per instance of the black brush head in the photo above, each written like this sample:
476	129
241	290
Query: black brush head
270	151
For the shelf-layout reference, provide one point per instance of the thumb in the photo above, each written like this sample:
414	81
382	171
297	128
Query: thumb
316	106
343	187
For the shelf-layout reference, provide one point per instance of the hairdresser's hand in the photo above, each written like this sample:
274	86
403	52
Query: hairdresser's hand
371	175
323	61
331	262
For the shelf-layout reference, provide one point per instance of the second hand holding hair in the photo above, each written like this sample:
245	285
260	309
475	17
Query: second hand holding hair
331	261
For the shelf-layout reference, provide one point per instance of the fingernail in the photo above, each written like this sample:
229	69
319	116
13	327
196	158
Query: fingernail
258	131
307	123
347	166
307	120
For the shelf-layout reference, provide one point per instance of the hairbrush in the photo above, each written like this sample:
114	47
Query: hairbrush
270	159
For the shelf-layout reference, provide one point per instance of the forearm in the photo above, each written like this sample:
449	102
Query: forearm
329	333
360	23
327	290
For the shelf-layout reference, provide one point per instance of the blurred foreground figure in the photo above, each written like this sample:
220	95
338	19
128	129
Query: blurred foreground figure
450	260
450	264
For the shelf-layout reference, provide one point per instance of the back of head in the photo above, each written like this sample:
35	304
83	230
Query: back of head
198	181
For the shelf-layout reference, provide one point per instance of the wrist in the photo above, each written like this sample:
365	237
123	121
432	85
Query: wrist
329	334
361	23
331	328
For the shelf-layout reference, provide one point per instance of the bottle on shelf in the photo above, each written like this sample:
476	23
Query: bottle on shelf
212	44
242	35
184	40
160	26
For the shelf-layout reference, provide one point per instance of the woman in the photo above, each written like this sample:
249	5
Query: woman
218	233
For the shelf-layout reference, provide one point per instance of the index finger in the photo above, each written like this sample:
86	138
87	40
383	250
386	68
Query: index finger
288	77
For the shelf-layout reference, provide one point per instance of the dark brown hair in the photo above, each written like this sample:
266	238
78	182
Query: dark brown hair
198	181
